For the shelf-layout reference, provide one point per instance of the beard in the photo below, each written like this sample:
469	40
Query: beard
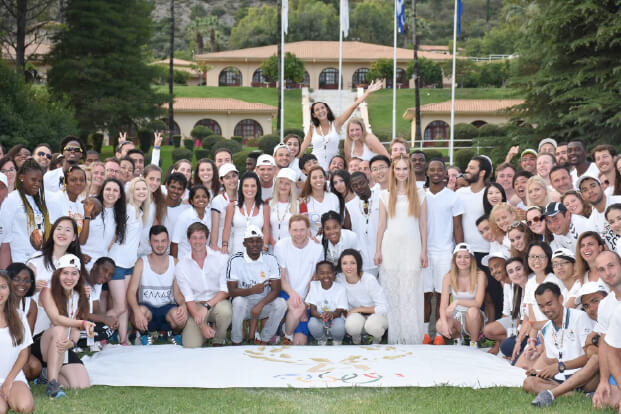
471	178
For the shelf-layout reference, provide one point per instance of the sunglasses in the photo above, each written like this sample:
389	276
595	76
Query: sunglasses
46	155
73	149
515	225
534	220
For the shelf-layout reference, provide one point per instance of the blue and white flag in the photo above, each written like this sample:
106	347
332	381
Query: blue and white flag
401	15
344	17
460	11
284	17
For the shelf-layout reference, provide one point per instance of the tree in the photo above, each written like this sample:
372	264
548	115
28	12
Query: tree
312	20
430	72
294	68
569	67
380	69
257	28
99	62
372	21
29	115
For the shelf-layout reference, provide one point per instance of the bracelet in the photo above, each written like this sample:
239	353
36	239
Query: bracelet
225	243
87	217
156	147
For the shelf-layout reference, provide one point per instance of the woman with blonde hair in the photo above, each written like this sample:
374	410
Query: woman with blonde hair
97	177
402	228
465	283
537	192
284	204
360	143
501	218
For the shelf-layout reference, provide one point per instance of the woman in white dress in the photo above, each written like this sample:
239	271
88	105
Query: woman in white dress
317	197
361	144
323	135
402	251
249	209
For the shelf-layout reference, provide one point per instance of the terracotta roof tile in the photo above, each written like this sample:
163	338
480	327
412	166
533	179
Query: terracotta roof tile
220	105
321	51
466	106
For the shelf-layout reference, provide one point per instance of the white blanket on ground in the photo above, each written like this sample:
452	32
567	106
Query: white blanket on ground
300	367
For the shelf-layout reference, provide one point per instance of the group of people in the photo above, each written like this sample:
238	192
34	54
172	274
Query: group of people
312	246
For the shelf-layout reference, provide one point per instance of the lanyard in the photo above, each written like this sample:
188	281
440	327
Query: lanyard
248	214
564	323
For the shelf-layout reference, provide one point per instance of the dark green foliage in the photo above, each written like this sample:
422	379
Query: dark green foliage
431	153
463	156
239	159
96	141
227	143
372	21
157	125
176	140
238	139
489	130
430	72
181	153
210	140
297	131
189	144
180	77
200	132
145	138
268	142
380	69
465	131
99	62
202	153
294	68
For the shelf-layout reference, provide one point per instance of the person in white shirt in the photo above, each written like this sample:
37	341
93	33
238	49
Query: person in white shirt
365	298
335	239
297	257
562	340
592	192
253	279
576	155
266	170
604	156
613	217
419	164
560	179
364	215
229	177
69	201
73	150
153	294
380	171
317	197
201	278
444	227
175	188
328	304
565	226
199	213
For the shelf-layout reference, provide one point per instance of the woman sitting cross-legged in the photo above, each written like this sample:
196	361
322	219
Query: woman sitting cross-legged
466	284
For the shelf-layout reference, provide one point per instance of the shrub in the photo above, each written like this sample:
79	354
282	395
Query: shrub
239	159
188	143
210	140
181	153
145	137
176	140
252	142
431	153
268	142
97	141
200	132
463	157
490	130
202	153
157	125
238	139
234	146
297	131
466	131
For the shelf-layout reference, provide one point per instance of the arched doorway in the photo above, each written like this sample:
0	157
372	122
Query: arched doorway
259	80
230	76
328	78
211	124
479	123
248	128
436	130
359	80
402	80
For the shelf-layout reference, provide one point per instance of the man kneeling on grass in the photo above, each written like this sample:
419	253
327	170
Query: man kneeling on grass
153	295
562	340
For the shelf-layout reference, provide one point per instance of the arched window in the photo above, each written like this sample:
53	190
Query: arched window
248	128
360	77
402	80
306	79
211	124
259	79
436	130
478	123
176	130
328	79
230	76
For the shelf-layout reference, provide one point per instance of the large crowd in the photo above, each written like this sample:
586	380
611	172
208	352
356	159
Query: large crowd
312	246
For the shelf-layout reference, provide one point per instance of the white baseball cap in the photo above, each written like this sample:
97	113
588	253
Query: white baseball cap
266	159
281	146
547	141
252	231
68	260
565	254
498	254
461	247
288	173
587	177
588	288
227	168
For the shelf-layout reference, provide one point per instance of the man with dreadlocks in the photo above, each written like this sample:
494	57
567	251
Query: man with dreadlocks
24	219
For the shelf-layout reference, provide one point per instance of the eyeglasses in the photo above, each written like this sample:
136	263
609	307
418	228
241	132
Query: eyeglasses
376	169
536	219
44	154
536	257
560	264
9	170
73	149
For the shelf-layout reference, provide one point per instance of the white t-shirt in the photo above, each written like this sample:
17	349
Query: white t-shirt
507	299
198	285
299	263
613	338
327	300
266	192
52	180
43	272
441	208
10	353
529	293
316	209
366	293
605	312
125	254
219	204
172	216
365	224
248	273
577	226
348	240
568	339
58	205
179	233
14	227
592	171
599	224
473	209
101	232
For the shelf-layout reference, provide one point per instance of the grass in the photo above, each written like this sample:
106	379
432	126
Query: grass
380	105
293	98
103	399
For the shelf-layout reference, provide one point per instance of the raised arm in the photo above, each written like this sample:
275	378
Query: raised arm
307	141
375	145
341	119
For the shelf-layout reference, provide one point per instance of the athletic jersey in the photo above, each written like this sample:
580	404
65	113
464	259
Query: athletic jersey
156	289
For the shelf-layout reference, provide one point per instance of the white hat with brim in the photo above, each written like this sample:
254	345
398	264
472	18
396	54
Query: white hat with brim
252	231
288	173
587	177
461	247
227	168
266	159
68	260
589	288
547	141
494	255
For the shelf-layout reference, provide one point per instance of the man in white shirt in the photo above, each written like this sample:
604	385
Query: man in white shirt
253	279
604	156
364	215
562	341
560	179
380	170
201	278
592	192
444	230
175	188
282	156
4	187
565	226
419	164
297	256
152	294
608	266
505	173
561	154
73	150
222	156
265	169
576	155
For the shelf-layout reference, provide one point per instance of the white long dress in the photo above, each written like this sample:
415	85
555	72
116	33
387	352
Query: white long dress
400	273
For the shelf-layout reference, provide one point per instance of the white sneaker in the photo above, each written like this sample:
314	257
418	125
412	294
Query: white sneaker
356	339
337	342
322	342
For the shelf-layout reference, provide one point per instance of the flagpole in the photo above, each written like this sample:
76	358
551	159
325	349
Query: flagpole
394	76
340	61
452	133
282	75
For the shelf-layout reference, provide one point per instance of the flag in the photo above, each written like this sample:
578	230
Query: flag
344	17
460	11
285	16
401	15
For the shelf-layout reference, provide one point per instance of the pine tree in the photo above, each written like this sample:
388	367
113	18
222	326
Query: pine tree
100	63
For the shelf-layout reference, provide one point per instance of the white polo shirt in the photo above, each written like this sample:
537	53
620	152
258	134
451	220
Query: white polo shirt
199	285
568	339
327	300
249	273
473	209
529	293
600	224
299	263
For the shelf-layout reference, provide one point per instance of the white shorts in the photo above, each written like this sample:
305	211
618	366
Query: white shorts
439	264
509	324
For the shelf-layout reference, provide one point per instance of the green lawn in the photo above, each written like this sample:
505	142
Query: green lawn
380	105
293	98
102	399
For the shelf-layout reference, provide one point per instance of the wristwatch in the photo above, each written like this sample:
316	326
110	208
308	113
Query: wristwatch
561	367
595	340
207	305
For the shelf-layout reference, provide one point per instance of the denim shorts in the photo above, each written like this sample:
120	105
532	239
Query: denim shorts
121	272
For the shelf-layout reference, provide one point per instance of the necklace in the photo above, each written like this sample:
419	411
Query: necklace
325	138
365	210
248	214
279	218
559	344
